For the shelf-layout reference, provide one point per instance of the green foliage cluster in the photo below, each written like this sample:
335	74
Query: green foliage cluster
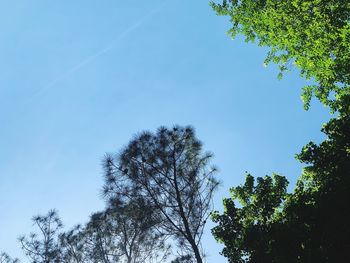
314	35
262	222
311	224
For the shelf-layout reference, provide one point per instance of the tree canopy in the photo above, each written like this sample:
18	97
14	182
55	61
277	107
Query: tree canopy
5	258
169	170
158	187
43	246
262	222
311	224
313	35
125	233
117	234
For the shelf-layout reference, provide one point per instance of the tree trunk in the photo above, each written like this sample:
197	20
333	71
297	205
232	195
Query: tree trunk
196	252
188	236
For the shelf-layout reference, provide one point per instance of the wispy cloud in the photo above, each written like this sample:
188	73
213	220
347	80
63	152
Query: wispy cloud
100	52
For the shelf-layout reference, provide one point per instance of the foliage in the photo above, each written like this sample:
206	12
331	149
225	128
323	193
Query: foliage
183	259
139	241
125	233
44	246
169	171
309	225
72	245
158	187
245	230
5	258
314	35
122	233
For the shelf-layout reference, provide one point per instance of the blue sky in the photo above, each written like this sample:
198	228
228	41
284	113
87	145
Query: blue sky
79	78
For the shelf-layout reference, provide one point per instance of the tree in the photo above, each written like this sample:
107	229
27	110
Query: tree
325	185
44	246
170	172
311	224
245	231
99	240
137	239
314	35
72	246
124	233
5	258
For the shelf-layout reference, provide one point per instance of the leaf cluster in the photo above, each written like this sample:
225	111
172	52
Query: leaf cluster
313	35
264	223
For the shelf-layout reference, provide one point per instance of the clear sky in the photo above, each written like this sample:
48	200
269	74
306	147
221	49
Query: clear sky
79	78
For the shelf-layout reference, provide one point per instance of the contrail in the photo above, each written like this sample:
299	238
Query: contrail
104	50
